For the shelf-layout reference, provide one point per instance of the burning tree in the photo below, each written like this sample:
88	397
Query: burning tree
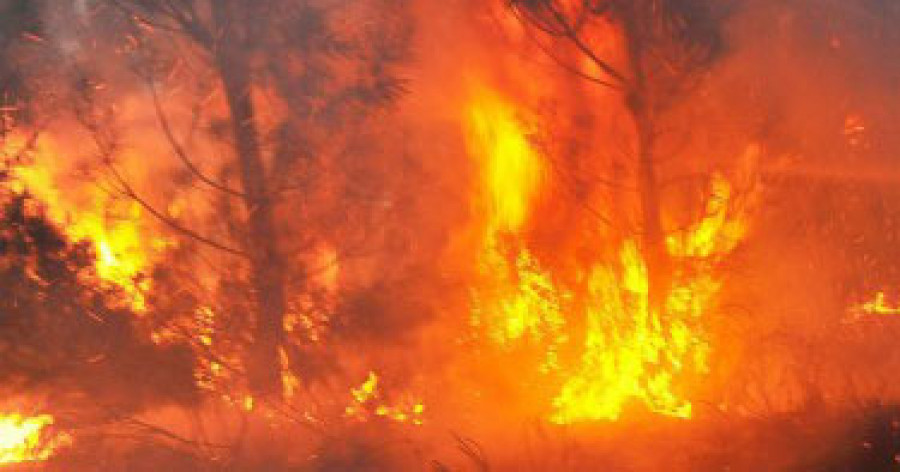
665	48
640	313
63	336
70	344
284	85
189	183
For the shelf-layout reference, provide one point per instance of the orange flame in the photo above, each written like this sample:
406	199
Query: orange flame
518	299
367	403
512	171
878	305
630	352
124	250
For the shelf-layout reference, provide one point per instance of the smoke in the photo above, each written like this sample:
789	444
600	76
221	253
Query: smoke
811	85
810	81
364	114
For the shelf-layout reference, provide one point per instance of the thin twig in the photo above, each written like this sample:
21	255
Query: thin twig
572	35
130	192
179	150
570	68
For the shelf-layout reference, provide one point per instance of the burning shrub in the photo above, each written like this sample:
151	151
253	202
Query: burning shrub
67	335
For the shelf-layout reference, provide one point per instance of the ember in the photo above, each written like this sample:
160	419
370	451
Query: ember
878	306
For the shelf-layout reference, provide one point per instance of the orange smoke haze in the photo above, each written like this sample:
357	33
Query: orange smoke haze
473	257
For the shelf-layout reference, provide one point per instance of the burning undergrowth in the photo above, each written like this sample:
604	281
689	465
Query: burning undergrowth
389	235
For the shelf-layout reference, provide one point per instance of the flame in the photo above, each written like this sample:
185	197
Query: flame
878	305
625	343
124	250
512	171
518	299
630	352
22	439
366	403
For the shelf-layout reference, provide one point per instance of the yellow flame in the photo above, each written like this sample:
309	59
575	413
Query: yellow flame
630	352
522	300
89	213
521	303
717	233
406	409
879	306
367	390
512	171
21	439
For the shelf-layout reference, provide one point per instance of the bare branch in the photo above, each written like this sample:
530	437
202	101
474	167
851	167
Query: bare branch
573	36
130	192
187	23
569	32
134	15
169	434
570	68
179	150
572	185
525	18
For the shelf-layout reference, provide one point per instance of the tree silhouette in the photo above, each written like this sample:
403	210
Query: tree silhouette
66	335
651	51
326	75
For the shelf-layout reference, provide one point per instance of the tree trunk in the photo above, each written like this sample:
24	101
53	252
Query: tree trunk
638	103
267	271
653	237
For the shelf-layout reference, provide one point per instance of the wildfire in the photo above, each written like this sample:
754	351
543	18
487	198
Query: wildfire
113	225
521	299
367	402
633	352
630	351
22	439
512	170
